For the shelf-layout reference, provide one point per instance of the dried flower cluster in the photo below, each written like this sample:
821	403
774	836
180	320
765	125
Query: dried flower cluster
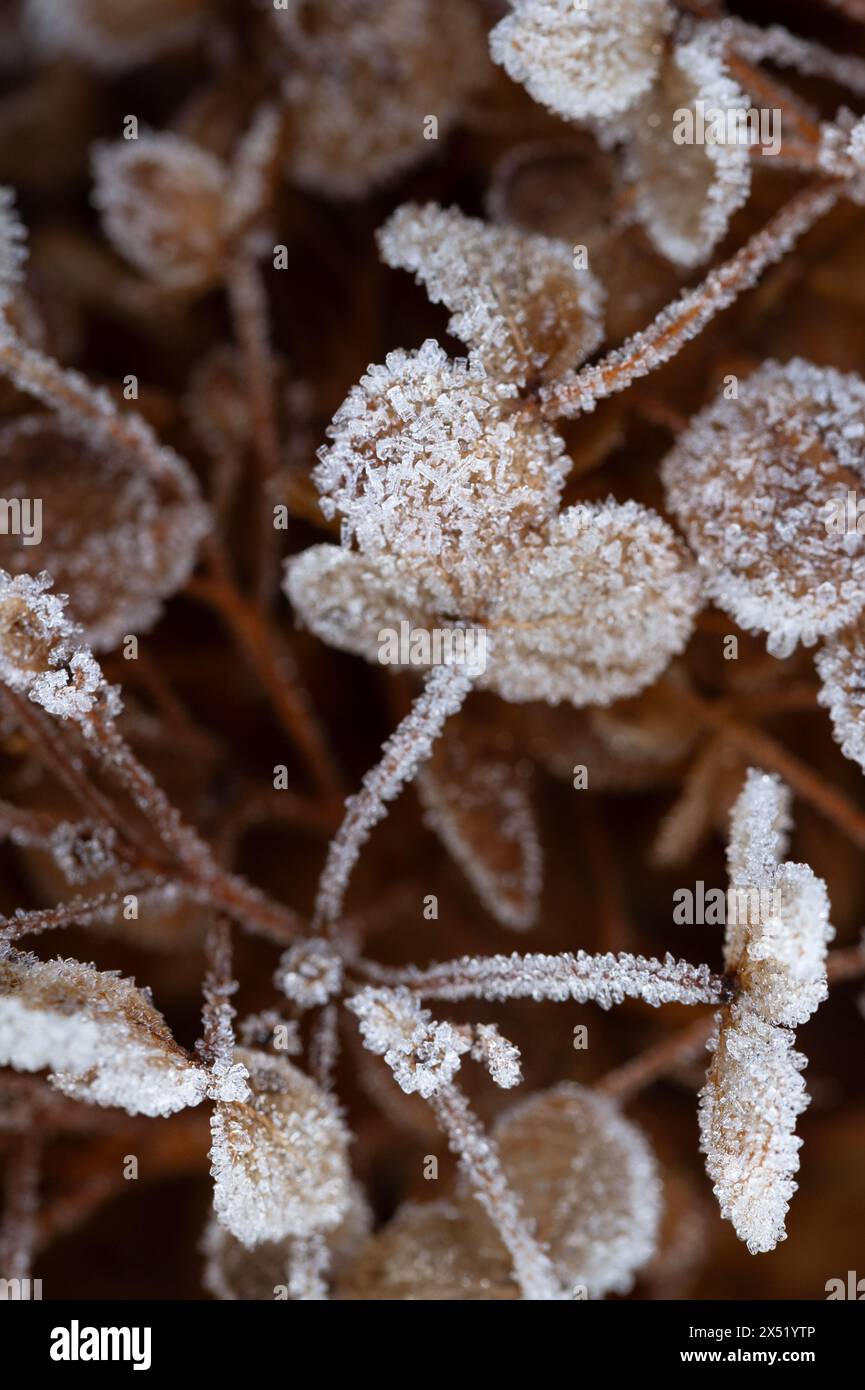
582	497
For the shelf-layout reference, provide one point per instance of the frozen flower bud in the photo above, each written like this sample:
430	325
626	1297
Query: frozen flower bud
366	79
113	34
760	486
113	537
39	652
588	1183
689	182
515	298
433	464
280	1160
163	203
753	1095
422	1054
583	61
597	613
430	1253
233	1272
778	926
310	973
101	1036
500	1057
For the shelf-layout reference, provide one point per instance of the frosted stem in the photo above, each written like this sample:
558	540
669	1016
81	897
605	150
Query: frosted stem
78	911
91	410
787	50
605	979
407	748
217	1046
692	311
18	1237
479	1161
324	1047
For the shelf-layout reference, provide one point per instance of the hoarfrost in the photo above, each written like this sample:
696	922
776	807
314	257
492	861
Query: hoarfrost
309	973
422	1054
516	299
100	1035
582	61
279	1161
840	664
13	247
754	483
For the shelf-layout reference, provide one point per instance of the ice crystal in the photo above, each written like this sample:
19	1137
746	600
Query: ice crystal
101	1037
434	462
111	36
309	973
363	80
597	613
583	61
591	1189
748	1110
687	192
422	1054
778	930
516	299
116	539
479	805
40	654
753	483
279	1161
840	662
163	206
500	1057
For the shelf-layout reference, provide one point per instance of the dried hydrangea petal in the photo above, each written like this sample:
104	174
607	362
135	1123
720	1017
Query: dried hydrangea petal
112	537
748	1110
365	78
515	298
347	601
479	805
113	35
598	613
753	483
279	1161
430	1253
101	1036
587	1180
687	192
40	651
163	204
432	461
583	61
233	1272
840	664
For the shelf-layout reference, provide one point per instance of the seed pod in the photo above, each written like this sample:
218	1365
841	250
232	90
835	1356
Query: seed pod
100	1035
163	202
430	1253
583	60
755	484
517	300
280	1160
587	1180
113	538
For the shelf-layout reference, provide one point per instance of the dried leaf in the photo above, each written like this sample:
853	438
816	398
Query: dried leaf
101	1036
112	36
